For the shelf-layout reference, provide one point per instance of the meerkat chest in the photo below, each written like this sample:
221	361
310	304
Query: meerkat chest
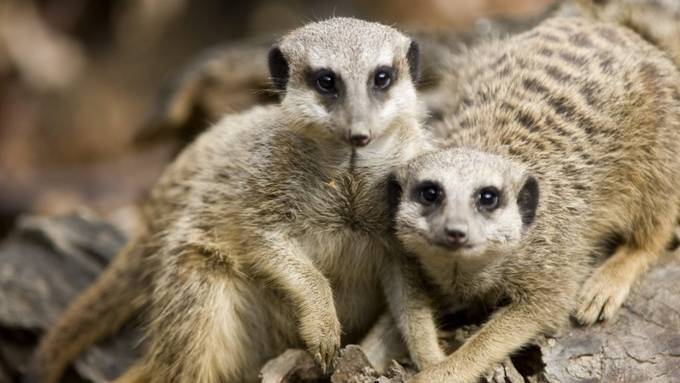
348	201
351	261
345	256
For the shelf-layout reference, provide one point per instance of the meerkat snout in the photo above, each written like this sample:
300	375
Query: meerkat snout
463	202
358	134
359	139
456	235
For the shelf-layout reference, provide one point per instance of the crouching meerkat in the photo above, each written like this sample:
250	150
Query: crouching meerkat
271	230
558	188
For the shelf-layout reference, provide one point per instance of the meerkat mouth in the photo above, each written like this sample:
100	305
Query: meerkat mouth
454	247
451	247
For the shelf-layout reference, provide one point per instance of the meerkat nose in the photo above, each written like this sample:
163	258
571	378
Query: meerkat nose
455	235
359	140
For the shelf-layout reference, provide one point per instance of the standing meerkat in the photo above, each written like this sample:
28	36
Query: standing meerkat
271	230
559	187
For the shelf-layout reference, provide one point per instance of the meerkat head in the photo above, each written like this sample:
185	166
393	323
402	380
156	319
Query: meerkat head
461	202
346	79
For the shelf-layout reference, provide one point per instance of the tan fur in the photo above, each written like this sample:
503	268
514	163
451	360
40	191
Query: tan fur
134	374
657	21
592	111
271	231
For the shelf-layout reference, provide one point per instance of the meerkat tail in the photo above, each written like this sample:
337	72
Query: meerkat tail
98	312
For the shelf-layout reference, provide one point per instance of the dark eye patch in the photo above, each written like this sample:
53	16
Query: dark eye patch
488	198
325	82
383	78
427	193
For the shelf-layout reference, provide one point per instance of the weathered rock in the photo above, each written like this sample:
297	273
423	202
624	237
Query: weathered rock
642	344
45	262
353	367
395	373
504	373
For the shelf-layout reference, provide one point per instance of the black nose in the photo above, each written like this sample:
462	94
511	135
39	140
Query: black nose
359	139
456	236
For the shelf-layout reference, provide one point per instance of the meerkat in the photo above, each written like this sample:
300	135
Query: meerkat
271	230
557	188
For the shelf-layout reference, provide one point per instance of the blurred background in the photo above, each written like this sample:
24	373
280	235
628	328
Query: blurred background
80	79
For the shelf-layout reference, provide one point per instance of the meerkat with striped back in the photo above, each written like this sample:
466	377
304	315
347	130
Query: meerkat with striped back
558	187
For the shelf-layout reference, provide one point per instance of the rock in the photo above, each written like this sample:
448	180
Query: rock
395	373
353	367
642	344
504	373
45	262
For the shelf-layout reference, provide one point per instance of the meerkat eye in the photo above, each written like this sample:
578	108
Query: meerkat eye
428	193
325	82
488	198
382	78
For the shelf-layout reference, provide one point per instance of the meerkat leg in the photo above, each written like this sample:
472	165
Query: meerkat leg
209	328
285	265
219	326
606	290
384	343
412	312
508	330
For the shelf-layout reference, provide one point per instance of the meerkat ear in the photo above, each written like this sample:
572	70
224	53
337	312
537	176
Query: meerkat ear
278	68
527	200
394	191
413	57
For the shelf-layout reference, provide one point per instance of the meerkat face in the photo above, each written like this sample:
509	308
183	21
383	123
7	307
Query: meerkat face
464	203
346	79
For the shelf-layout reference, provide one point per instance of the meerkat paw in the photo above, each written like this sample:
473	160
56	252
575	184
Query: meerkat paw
603	293
504	372
321	334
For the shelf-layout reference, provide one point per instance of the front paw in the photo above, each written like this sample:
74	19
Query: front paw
505	372
321	334
602	295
